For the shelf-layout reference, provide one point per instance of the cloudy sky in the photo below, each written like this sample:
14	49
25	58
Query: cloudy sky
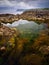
10	6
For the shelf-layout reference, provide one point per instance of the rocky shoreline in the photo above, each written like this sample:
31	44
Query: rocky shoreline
31	15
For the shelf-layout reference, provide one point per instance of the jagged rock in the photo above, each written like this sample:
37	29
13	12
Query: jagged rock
44	50
7	36
5	31
8	18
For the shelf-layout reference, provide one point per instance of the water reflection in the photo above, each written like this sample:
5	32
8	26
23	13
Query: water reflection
26	24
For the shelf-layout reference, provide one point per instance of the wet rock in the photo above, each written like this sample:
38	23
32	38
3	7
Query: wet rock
44	50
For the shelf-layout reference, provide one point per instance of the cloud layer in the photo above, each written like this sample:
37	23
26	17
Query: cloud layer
22	4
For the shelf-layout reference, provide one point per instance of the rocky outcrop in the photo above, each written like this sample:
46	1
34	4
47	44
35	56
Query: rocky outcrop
5	31
36	15
7	36
8	18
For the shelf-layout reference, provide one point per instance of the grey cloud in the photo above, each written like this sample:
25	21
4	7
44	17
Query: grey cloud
24	3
